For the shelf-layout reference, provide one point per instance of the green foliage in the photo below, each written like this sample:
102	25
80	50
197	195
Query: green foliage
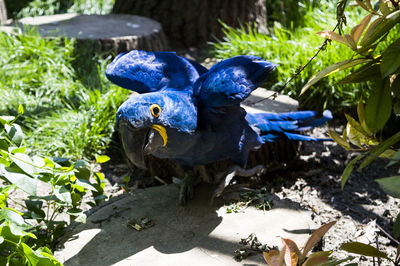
50	7
69	104
68	183
376	49
292	48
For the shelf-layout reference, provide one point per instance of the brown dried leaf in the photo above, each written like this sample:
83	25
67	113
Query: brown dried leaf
357	31
272	257
360	3
350	41
334	36
315	237
292	252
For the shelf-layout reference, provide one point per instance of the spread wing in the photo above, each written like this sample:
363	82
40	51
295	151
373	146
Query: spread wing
144	72
231	81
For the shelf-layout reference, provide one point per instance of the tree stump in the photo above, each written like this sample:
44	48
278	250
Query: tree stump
3	12
107	33
193	22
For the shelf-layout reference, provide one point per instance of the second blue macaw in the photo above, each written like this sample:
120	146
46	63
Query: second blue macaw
192	115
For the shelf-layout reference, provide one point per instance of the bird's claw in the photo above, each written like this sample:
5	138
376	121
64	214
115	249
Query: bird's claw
226	177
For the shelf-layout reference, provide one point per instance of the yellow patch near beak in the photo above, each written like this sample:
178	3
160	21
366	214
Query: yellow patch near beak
163	133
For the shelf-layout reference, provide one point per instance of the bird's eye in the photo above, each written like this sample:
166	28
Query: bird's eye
155	110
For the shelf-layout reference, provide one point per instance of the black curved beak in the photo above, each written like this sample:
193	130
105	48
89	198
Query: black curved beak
138	142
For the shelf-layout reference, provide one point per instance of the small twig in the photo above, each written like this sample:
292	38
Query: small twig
388	235
300	68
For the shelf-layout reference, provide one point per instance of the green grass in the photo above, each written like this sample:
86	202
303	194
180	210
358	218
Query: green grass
51	7
291	48
69	104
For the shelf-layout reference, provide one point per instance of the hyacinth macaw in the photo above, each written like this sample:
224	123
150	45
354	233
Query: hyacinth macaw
192	115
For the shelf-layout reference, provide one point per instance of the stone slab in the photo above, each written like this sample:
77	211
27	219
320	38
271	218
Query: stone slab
263	100
196	234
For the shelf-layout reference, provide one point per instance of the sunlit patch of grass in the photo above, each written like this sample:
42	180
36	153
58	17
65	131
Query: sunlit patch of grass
50	7
292	48
69	104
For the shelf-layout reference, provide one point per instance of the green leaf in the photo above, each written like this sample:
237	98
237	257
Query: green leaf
332	69
339	140
49	163
364	73
33	257
349	168
357	126
22	181
20	109
63	194
363	249
380	27
378	106
102	159
396	227
16	222
396	108
24	162
391	59
391	185
6	119
15	133
85	184
395	159
382	147
15	150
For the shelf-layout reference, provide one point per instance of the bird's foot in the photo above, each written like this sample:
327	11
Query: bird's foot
226	177
186	191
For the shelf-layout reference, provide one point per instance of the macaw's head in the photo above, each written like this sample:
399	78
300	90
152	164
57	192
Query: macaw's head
145	120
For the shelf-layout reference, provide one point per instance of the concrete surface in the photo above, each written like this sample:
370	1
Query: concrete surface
262	100
197	234
92	26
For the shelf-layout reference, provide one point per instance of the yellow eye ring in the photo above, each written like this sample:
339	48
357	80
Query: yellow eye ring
155	110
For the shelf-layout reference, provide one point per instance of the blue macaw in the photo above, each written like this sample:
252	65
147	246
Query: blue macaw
192	115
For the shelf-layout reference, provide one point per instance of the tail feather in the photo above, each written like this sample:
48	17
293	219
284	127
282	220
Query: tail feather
273	126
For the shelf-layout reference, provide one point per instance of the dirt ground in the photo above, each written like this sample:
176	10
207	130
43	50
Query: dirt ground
362	210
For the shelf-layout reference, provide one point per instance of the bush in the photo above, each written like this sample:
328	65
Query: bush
25	237
375	44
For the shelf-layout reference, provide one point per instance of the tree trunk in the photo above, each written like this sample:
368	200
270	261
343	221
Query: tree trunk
193	22
3	12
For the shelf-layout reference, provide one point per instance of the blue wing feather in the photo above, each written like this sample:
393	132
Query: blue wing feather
272	126
230	81
143	71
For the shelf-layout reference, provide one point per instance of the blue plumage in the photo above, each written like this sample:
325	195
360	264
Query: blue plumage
192	115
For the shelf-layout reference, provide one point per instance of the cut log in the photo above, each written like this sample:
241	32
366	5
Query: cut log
107	33
193	22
